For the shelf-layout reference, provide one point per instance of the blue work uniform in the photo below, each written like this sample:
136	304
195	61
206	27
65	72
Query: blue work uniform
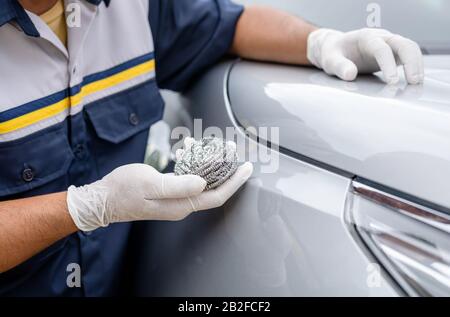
70	115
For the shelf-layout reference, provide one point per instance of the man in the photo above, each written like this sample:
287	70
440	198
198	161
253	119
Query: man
76	104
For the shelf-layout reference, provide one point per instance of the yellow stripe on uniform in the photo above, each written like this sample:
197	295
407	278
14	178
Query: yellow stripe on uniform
35	116
72	101
112	81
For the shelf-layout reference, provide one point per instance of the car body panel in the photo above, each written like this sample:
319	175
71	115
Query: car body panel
397	136
282	234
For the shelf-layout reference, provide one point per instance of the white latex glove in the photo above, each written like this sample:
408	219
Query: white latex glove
365	51
139	192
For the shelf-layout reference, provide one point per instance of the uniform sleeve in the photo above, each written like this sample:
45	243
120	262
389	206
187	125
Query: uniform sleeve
190	35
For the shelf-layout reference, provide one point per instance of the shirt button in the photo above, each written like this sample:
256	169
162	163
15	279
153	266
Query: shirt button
79	151
134	119
74	70
27	174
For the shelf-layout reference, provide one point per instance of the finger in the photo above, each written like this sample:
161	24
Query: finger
181	186
384	56
218	196
342	67
168	209
410	57
177	209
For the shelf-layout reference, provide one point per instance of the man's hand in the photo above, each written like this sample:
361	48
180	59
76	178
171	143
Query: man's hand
139	192
266	34
131	192
365	51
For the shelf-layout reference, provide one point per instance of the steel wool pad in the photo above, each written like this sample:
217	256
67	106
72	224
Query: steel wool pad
213	159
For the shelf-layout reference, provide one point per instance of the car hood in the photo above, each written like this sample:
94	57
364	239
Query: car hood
397	136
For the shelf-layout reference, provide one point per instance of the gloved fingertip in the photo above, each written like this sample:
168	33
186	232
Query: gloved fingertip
182	186
350	74
247	170
416	79
347	72
392	80
202	184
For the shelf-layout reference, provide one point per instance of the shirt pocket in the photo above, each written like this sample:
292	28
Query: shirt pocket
123	115
36	164
119	125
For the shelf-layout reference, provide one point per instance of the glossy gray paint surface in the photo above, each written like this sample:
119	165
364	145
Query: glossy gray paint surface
397	135
282	234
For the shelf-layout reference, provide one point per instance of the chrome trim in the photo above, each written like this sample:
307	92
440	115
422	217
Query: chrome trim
426	215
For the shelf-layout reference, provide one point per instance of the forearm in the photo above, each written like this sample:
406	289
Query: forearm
266	34
28	226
